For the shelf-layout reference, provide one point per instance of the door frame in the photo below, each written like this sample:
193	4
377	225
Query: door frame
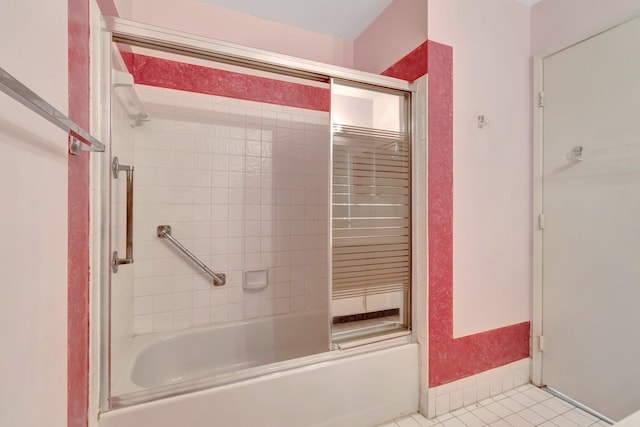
537	327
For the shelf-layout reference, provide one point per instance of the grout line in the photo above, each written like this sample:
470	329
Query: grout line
579	405
444	418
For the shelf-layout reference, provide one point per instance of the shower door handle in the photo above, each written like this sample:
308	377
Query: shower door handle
116	261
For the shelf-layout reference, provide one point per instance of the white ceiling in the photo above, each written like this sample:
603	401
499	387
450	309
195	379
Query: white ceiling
345	19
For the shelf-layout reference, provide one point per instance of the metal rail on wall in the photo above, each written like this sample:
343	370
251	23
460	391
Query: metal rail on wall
164	232
79	139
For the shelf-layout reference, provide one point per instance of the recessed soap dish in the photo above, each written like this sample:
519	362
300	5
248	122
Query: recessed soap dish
255	279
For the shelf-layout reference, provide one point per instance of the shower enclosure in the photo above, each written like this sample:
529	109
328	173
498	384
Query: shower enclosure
260	215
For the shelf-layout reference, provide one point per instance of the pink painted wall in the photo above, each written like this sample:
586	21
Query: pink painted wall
33	184
397	31
491	166
78	205
556	23
227	25
449	357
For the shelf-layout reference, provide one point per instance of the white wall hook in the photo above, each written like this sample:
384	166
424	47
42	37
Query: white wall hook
575	154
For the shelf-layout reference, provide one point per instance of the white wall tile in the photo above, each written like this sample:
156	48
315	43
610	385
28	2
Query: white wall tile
441	405
202	316
143	305
143	324
244	191
162	321
162	303
456	399
479	387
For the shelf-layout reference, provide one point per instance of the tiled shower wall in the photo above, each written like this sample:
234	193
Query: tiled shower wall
244	186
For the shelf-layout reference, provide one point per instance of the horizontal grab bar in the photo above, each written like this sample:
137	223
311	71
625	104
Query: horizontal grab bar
12	87
164	232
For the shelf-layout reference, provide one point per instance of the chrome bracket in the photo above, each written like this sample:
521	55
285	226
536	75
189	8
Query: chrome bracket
575	155
114	262
116	168
76	146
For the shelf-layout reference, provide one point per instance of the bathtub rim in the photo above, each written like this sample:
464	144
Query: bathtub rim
142	395
298	403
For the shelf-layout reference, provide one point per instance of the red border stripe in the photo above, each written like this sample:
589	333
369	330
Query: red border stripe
78	207
450	359
108	8
412	66
165	73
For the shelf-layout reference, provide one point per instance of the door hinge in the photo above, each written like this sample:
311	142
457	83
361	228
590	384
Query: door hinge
541	343
541	99
541	221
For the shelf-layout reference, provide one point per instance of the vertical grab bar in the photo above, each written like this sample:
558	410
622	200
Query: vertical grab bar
116	261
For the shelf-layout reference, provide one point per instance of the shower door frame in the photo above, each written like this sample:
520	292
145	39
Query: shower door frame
407	126
174	41
138	34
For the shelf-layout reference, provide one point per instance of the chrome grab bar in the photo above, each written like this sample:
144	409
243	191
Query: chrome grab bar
12	87
164	232
116	168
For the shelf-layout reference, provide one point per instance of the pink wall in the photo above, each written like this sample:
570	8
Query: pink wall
488	304
33	184
397	31
450	358
505	334
227	25
550	18
492	165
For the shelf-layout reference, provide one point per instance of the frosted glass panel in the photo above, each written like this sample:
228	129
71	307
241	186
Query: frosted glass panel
371	212
368	108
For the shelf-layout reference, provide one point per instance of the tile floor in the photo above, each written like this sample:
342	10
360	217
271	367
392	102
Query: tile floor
523	407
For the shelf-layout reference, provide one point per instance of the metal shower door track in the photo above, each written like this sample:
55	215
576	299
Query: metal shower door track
163	39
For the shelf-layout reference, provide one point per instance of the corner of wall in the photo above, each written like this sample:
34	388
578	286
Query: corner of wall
476	388
398	30
198	17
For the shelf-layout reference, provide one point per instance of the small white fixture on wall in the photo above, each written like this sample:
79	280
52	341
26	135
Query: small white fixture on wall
255	279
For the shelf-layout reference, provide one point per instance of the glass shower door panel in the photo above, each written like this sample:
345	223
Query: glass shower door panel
371	222
241	177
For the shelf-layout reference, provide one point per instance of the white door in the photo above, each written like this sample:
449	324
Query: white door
591	236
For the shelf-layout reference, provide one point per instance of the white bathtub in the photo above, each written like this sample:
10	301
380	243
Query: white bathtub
269	372
158	360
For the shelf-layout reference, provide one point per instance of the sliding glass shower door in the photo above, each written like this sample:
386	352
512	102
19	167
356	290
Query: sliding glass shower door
371	205
239	246
232	181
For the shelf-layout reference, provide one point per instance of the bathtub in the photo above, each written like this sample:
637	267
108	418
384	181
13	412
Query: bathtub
267	372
